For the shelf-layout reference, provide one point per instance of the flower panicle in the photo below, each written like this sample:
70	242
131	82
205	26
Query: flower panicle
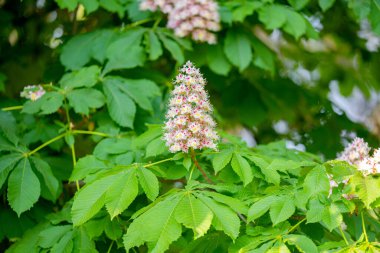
32	92
189	123
198	19
357	153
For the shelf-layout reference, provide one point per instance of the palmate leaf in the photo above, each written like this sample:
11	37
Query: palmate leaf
121	193
90	199
86	166
82	100
157	226
242	168
47	104
51	235
303	243
50	187
85	77
221	159
116	190
316	182
23	187
281	209
260	207
366	187
237	48
7	163
192	213
332	217
148	182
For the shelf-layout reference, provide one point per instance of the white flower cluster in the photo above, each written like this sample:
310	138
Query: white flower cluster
372	40
32	92
195	18
357	153
189	123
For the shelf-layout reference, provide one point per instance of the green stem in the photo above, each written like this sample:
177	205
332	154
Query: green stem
74	163
137	23
45	144
191	172
12	108
343	235
364	230
295	226
90	132
157	23
162	161
194	159
109	249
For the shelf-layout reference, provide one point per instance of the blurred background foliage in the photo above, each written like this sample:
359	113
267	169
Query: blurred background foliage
306	71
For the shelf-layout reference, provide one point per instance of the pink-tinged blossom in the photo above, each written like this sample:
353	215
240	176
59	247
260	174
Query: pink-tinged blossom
198	19
355	152
189	122
32	92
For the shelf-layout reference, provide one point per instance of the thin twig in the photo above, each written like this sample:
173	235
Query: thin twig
194	159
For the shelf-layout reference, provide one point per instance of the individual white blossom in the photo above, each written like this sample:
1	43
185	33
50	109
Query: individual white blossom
33	92
195	18
189	123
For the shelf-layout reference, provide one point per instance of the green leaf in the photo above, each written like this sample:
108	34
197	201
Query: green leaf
83	242
148	182
154	46
121	193
173	47
157	226
271	174
246	9
113	229
332	217
242	168
69	4
273	16
140	91
121	107
298	4
155	147
78	50
90	5
315	211
7	163
326	4
85	77
51	235
86	166
260	207
281	209
303	243
217	60
126	52
113	6
237	48
295	24
234	203
278	248
8	126
65	244
221	159
366	187
47	104
82	100
224	217
263	56
193	214
23	187
90	199
317	182
50	187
